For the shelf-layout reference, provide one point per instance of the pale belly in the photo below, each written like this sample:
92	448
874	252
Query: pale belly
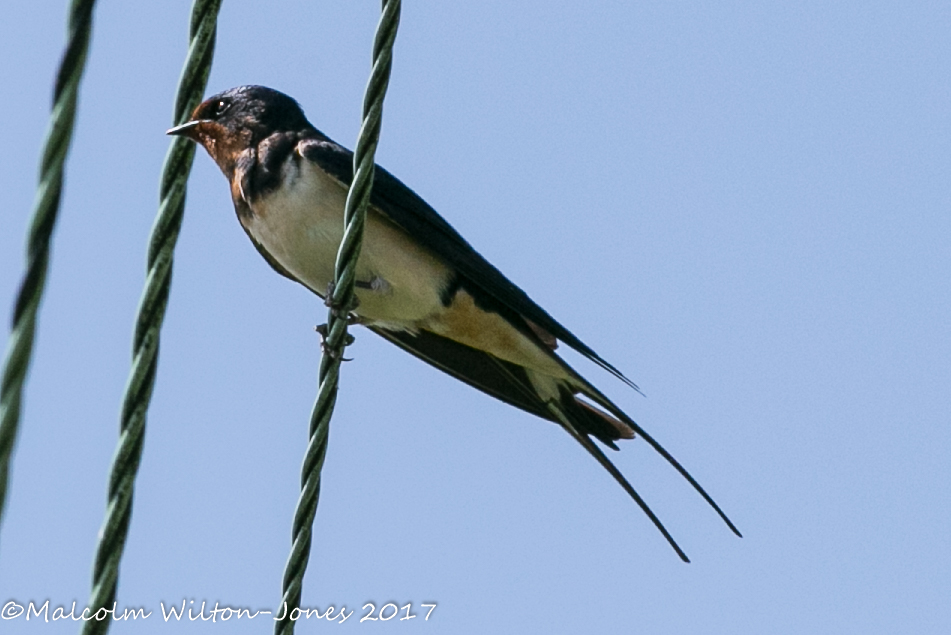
301	226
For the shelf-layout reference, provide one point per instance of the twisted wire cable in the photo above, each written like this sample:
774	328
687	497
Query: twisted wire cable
138	392
340	300
45	209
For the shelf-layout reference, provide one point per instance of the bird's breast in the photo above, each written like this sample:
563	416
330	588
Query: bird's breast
400	283
300	225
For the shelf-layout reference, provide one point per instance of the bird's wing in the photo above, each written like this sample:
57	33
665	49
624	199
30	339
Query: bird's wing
487	284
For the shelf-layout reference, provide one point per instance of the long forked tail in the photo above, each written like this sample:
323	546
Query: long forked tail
606	403
599	456
551	398
683	472
576	416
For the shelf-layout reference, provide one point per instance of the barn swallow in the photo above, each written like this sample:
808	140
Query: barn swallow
419	285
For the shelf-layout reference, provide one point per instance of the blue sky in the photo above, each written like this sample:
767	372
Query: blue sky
743	206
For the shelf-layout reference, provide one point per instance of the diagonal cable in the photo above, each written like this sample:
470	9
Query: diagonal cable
45	209
340	300
138	392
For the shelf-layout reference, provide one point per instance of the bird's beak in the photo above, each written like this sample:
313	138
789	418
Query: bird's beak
188	129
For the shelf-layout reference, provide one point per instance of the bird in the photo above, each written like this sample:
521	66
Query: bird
419	283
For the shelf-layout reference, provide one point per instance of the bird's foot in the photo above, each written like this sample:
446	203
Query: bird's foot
327	350
341	309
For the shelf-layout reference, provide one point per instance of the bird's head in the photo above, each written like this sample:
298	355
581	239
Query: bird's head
232	121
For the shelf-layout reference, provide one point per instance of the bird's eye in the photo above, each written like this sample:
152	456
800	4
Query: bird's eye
222	107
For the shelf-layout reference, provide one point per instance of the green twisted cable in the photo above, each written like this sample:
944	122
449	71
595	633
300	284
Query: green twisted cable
340	299
45	209
152	306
